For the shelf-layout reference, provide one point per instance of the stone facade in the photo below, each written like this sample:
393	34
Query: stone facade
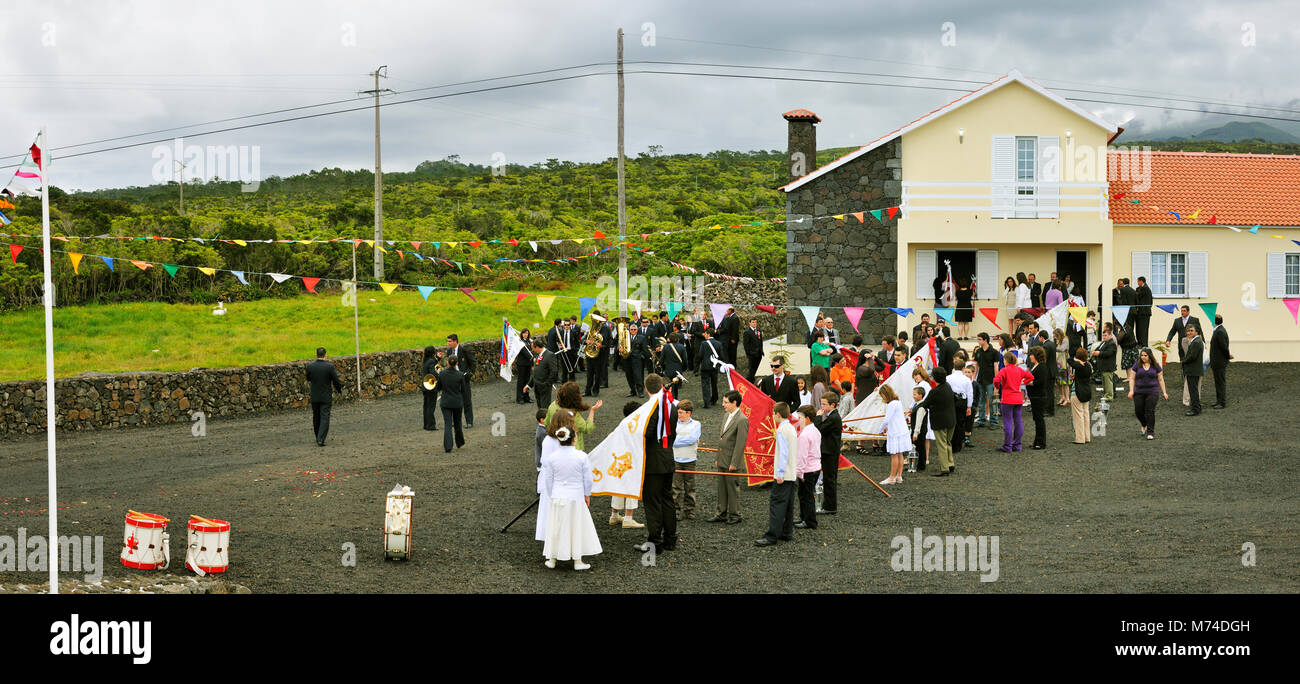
842	262
745	296
103	401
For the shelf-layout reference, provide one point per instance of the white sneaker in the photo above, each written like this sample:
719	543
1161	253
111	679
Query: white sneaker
615	518
579	565
631	524
550	563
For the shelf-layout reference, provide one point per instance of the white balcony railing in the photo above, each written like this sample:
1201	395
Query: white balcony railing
1006	200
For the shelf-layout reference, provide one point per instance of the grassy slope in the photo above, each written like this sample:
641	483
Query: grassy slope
122	337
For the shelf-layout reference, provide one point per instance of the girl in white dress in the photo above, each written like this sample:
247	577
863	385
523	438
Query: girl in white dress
566	478
898	441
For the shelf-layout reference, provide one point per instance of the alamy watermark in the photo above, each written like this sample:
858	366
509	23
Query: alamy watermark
687	290
933	553
32	554
198	163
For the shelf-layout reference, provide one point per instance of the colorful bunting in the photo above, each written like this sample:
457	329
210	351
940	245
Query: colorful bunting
1254	231
4	219
520	297
142	265
585	304
599	235
76	261
809	315
719	310
388	287
854	314
673	308
240	276
544	303
768	308
207	271
108	261
468	291
859	216
991	313
14	251
1293	305
892	211
1167	308
279	277
945	313
424	291
1210	308
904	312
310	284
875	214
1120	311
171	269
1079	314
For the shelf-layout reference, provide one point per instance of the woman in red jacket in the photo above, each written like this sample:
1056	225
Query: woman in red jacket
1008	381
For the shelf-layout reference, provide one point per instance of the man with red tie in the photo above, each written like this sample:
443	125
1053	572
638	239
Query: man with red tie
753	348
780	386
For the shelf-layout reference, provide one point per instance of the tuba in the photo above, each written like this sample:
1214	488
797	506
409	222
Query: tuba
624	338
591	346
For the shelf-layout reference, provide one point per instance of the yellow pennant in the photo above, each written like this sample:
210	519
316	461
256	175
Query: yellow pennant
142	265
76	261
1080	314
1280	237
451	244
207	271
544	303
1194	215
579	240
388	287
241	243
838	216
369	242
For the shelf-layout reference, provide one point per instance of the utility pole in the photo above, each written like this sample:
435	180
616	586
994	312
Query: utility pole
379	174
182	177
622	192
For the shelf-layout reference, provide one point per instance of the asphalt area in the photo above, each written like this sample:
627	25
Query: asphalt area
1122	514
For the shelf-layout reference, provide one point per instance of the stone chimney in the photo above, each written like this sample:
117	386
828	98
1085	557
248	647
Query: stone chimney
801	149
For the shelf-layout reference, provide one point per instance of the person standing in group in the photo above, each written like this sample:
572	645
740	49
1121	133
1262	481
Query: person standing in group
922	434
818	384
657	488
544	375
452	386
865	381
1179	330
729	334
1040	394
1219	358
570	397
1035	291
1144	379
1054	295
753	339
1024	299
1194	368
821	351
1049	363
941	406
731	459
841	372
567	481
898	441
463	360
673	357
1008	382
965	313
1062	356
686	456
986	358
711	354
622	508
1141	313
324	381
780	385
633	364
430	367
522	366
598	365
808	468
948	348
1080	413
847	402
828	422
963	389
805	394
1105	355
1010	301
780	507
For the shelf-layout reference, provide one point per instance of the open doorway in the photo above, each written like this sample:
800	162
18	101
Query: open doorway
1074	263
963	264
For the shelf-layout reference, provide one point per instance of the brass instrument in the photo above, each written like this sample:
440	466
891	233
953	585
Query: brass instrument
624	338
430	381
591	346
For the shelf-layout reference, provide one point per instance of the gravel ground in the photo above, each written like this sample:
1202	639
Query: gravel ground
1120	515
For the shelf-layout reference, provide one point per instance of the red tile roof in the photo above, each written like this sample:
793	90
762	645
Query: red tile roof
801	115
1235	189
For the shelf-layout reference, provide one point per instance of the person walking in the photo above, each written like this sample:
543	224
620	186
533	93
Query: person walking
1080	411
324	380
463	361
1219	358
544	374
1144	378
452	384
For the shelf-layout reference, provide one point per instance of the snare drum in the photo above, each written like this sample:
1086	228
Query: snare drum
145	541
209	546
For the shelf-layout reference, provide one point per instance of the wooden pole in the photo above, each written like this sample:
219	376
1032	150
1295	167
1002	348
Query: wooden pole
864	418
622	193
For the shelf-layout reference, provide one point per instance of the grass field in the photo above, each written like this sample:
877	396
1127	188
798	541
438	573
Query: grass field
168	337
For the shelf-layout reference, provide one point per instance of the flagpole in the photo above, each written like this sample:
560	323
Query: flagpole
52	464
356	323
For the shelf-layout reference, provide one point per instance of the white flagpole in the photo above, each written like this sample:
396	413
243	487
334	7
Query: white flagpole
53	539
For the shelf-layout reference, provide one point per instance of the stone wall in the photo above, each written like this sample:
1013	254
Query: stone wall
745	296
842	262
97	401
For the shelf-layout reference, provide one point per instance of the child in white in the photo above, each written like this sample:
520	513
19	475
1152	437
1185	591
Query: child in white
898	440
566	474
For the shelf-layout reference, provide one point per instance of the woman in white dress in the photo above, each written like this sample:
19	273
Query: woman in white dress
1009	307
549	444
898	441
566	478
1023	298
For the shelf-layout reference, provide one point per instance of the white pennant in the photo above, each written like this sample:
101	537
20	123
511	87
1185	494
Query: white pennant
533	245
279	277
810	314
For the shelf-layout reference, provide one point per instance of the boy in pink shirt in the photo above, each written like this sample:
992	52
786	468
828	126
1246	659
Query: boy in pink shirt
807	468
1008	380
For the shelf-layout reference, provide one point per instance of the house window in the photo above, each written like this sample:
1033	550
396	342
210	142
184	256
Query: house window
1026	153
1293	275
1169	274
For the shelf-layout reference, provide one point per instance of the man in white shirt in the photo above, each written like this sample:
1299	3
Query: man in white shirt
780	517
965	389
685	455
832	335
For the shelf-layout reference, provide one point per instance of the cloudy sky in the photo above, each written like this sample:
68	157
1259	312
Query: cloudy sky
92	71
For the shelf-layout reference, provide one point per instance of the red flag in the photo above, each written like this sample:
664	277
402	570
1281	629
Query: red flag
892	211
416	244
845	464
760	442
599	235
310	284
851	355
934	355
467	291
767	308
15	250
474	243
1120	195
992	314
520	297
858	215
512	242
36	156
1214	218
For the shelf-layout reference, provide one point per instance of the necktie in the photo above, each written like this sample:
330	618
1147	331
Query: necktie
776	384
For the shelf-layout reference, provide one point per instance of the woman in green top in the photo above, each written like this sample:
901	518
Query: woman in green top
821	352
570	397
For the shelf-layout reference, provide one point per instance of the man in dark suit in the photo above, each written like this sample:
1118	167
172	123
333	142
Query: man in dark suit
1074	336
780	385
1105	356
947	348
430	367
1219	358
463	360
1040	393
454	388
1179	330
1193	368
598	366
830	425
918	332
673	355
710	349
731	458
553	343
753	339
321	374
729	334
545	374
886	354
941	406
1049	350
657	487
865	381
634	364
1035	292
1142	312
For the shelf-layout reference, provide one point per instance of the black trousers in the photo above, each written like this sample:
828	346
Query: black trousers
660	511
430	409
597	369
543	396
780	511
1220	385
525	374
830	482
635	381
450	423
1194	389
469	405
1144	405
1143	325
808	499
709	387
569	366
754	361
320	420
1039	408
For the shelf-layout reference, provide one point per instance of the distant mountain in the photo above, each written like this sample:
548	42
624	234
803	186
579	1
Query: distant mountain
1246	130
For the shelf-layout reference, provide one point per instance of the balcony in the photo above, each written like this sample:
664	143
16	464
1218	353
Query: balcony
1006	200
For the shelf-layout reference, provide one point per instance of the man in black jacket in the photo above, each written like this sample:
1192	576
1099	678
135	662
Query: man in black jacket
321	375
753	339
454	388
673	356
1105	359
941	406
780	385
430	367
1035	292
1219	357
729	334
947	348
463	361
545	374
1049	350
634	364
1193	368
710	349
1142	312
830	425
1040	393
1179	331
598	367
657	487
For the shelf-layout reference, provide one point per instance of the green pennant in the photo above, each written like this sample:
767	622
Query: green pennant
875	213
460	266
171	269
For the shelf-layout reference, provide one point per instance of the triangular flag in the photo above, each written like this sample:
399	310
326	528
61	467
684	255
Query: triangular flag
460	266
904	312
416	244
1293	305
76	261
142	265
171	269
109	261
1167	308
767	308
946	313
719	310
579	240
600	236
992	314
1214	218
1296	241
437	245
474	243
14	251
636	304
279	277
556	242
533	244
1120	312
838	216
520	297
859	216
544	303
1254	231
1079	314
875	214
673	308
809	315
1234	228
1210	308
585	304
1176	216
388	287
1194	215
369	242
892	211
240	276
424	291
241	243
1120	195
310	284
452	244
207	271
854	314
1134	202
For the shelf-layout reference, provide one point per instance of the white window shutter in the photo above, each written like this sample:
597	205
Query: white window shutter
926	269
1003	177
1198	274
986	274
1049	176
1142	269
1276	274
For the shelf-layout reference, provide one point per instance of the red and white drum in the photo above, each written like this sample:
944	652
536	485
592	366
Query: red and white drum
145	541
209	546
